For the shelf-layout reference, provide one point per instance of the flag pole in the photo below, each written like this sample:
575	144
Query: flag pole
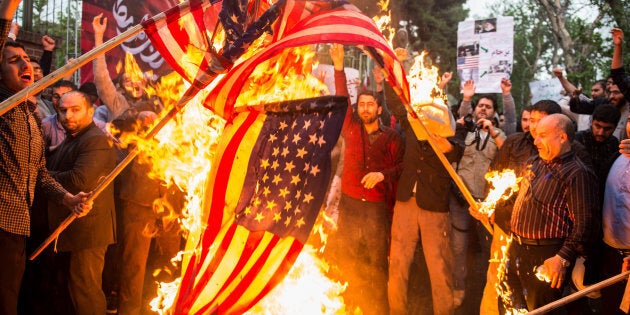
70	67
116	171
456	178
447	165
572	297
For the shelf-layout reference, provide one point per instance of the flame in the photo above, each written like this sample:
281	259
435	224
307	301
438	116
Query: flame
504	185
503	289
383	21
423	84
305	290
180	156
541	274
286	76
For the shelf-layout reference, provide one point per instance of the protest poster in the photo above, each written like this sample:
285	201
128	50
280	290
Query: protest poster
485	52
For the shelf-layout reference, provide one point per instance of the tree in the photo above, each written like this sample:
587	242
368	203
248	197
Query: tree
550	33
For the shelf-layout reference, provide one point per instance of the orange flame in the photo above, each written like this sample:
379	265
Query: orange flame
383	21
181	153
504	185
286	76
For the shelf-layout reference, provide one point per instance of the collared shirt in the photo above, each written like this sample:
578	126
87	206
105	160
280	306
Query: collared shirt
22	166
381	151
557	199
53	132
616	212
515	153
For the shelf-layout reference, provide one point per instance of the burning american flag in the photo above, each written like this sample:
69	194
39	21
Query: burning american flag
269	178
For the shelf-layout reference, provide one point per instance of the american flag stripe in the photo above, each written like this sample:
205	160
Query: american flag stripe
344	26
232	267
178	39
227	261
222	178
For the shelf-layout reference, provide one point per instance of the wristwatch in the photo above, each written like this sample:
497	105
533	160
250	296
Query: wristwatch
565	263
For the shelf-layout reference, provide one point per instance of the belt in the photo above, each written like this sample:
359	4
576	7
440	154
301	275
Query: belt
537	242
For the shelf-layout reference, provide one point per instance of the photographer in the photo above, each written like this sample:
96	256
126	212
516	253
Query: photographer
483	140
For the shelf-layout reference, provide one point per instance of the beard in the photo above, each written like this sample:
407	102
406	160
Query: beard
369	119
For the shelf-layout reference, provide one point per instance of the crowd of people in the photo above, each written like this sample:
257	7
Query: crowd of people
569	215
395	193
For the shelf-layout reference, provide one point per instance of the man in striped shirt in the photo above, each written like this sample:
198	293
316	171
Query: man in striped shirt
552	220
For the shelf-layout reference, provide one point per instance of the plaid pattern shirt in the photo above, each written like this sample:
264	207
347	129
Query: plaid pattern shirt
557	199
22	166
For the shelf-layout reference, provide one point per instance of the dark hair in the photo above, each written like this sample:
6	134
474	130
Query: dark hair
35	60
527	108
369	93
601	83
547	106
607	113
491	97
65	83
12	43
89	88
84	98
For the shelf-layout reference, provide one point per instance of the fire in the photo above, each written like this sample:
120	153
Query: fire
305	290
383	21
423	84
503	289
181	155
428	101
504	184
284	77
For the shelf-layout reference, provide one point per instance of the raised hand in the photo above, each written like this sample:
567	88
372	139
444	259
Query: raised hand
99	24
337	54
506	86
468	90
48	43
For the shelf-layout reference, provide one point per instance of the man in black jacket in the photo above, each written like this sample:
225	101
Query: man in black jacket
421	209
80	162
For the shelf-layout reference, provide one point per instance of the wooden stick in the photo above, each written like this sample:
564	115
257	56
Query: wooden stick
581	293
115	172
458	180
58	74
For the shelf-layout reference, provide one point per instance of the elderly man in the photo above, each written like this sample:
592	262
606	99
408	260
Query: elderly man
22	168
78	164
552	220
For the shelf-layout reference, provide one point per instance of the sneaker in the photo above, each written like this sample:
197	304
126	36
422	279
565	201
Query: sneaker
112	303
458	298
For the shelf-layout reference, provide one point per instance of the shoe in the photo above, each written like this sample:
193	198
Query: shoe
458	298
112	303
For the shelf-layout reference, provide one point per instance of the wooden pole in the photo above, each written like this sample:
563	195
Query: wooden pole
458	180
581	293
58	74
116	171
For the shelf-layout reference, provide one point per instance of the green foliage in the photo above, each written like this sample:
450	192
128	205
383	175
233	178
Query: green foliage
538	50
436	23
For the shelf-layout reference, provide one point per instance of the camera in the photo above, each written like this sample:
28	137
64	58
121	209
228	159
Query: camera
470	124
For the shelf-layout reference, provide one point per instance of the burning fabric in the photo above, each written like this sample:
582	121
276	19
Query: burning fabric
269	176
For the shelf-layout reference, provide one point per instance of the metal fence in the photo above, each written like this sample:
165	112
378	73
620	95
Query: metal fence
60	19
